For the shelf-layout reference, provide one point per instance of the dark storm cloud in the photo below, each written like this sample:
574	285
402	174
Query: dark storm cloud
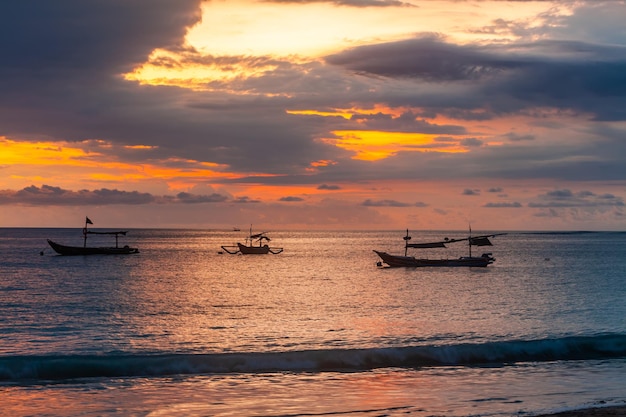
429	58
61	79
60	73
506	78
87	37
48	195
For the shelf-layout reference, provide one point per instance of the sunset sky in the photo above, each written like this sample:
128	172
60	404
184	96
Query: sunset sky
313	114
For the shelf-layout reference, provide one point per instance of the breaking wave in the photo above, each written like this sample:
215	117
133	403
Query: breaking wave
21	368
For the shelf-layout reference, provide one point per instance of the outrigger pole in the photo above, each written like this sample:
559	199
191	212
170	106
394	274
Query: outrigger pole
86	232
471	241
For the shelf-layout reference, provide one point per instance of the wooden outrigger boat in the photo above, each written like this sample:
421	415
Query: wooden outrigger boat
467	261
85	250
255	245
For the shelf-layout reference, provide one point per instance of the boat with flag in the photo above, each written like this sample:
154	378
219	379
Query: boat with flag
467	261
256	244
86	250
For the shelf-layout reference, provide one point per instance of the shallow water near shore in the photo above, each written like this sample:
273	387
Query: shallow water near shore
180	329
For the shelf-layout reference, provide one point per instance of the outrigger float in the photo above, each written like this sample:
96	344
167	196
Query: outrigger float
256	244
85	250
467	261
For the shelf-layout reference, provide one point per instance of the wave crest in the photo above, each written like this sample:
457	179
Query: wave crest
494	353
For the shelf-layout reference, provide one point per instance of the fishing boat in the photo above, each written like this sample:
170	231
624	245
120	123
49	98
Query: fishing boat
256	244
467	261
86	250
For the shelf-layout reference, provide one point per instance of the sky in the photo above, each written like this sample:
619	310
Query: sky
313	114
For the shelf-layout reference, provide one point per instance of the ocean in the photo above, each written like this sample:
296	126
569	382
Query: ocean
181	329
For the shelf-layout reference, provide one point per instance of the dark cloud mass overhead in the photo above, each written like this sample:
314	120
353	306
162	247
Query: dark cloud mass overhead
564	74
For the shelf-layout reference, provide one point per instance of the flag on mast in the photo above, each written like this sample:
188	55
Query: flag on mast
87	220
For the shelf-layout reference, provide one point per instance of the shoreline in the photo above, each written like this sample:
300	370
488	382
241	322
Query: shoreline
608	411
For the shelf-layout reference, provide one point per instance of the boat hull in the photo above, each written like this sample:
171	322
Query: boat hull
79	250
410	261
253	250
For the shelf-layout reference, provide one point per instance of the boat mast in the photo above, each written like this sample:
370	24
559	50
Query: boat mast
406	242
469	241
85	232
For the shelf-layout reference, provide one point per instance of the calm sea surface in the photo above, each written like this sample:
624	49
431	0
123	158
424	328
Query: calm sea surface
318	330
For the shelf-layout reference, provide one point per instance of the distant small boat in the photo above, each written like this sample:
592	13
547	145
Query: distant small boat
467	261
85	250
255	245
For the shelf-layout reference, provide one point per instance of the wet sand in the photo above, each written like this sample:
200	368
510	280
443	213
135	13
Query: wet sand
618	411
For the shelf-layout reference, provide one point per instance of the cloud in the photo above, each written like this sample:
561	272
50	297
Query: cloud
328	187
245	200
67	74
48	195
56	196
563	80
471	142
390	203
291	199
469	191
565	74
578	207
195	198
514	137
75	91
405	59
73	39
351	3
407	121
503	205
565	198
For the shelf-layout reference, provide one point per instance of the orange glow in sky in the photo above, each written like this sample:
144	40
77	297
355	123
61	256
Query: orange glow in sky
349	113
41	153
292	32
375	145
194	74
29	162
245	27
